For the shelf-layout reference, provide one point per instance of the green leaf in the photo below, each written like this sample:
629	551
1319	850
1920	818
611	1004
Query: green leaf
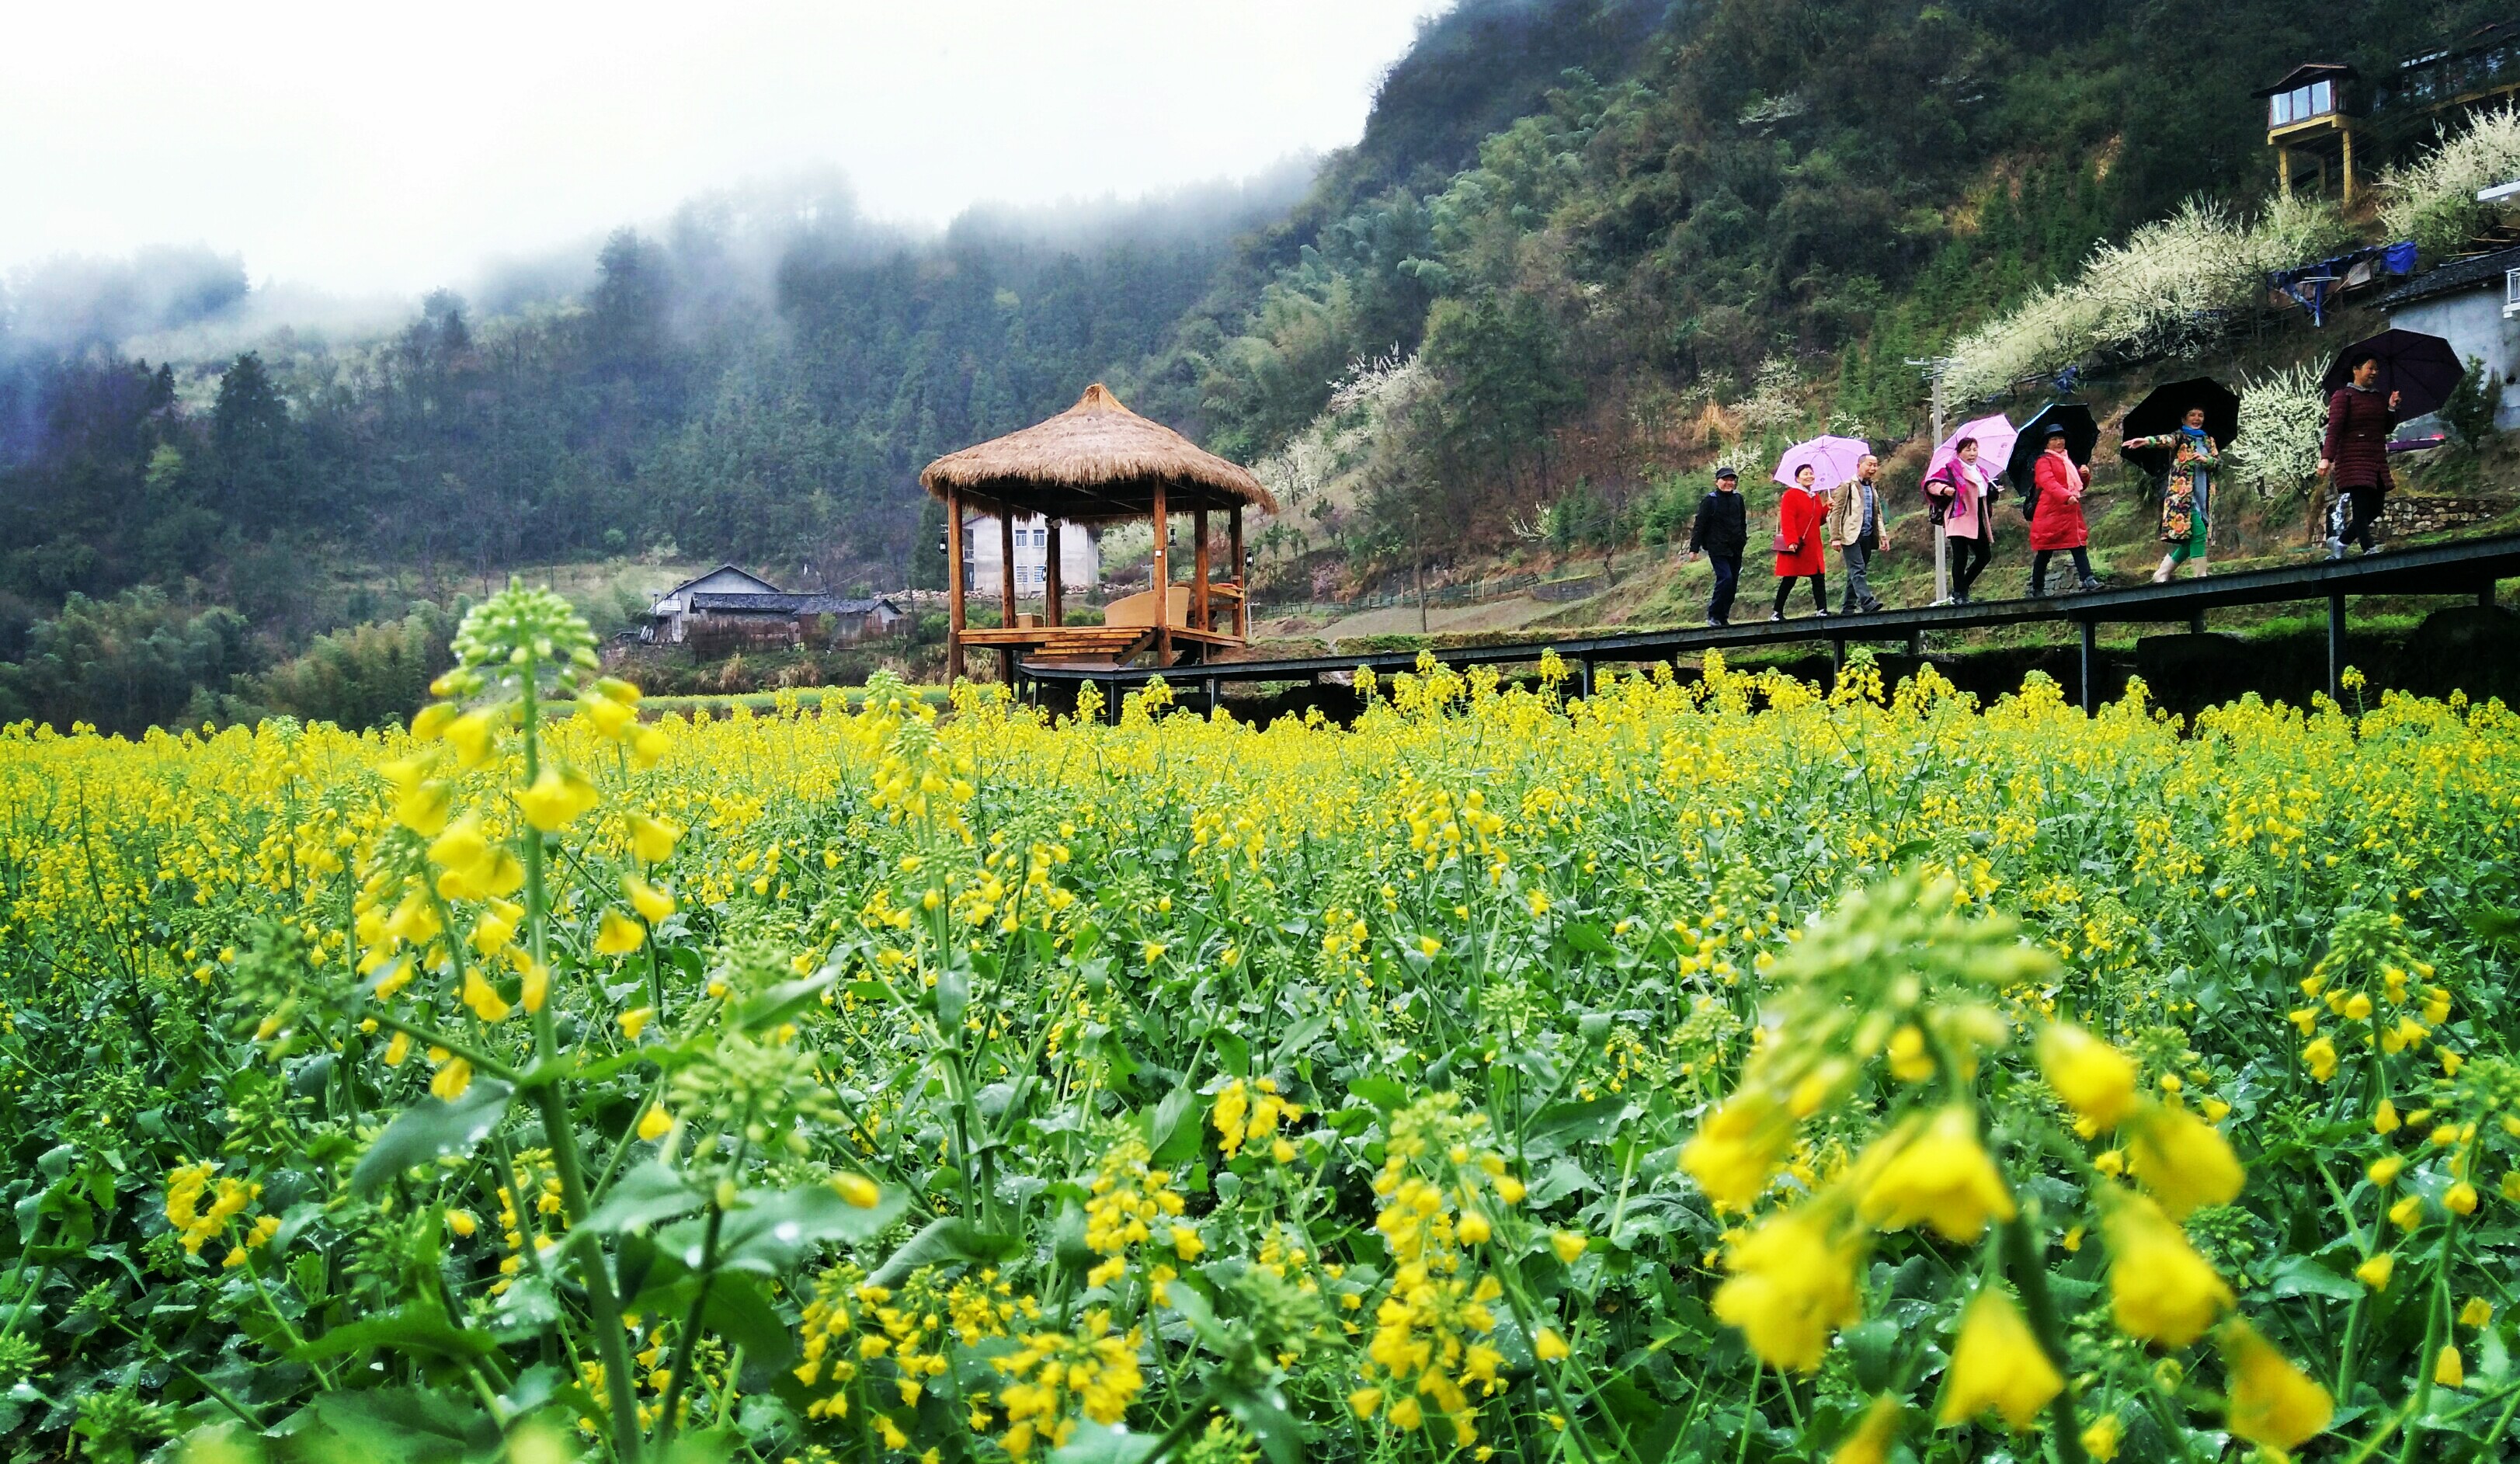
406	1426
1384	1093
947	1239
2300	1275
1101	1444
1873	1346
1586	937
527	1308
1301	1035
433	1130
418	1327
953	995
737	1311
1166	1138
776	1232
640	1199
765	1010
1576	1122
1263	1410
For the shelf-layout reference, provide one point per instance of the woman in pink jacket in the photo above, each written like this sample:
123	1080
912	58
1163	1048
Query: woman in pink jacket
2057	521
1961	490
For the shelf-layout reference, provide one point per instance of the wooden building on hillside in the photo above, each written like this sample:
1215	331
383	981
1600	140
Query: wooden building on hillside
2324	113
732	607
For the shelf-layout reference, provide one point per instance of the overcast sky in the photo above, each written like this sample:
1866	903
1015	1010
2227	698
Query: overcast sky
390	147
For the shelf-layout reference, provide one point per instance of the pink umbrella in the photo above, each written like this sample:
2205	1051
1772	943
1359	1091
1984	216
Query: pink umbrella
1994	435
1831	460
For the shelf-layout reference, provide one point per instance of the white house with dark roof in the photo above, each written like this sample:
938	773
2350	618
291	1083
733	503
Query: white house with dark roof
727	598
2473	303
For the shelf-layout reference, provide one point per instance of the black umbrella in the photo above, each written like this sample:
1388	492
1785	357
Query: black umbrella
2166	411
2421	369
2082	434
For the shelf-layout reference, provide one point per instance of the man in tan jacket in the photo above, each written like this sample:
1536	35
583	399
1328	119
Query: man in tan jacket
1855	526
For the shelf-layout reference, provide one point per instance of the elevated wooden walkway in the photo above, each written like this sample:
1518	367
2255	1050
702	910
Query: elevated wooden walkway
2471	567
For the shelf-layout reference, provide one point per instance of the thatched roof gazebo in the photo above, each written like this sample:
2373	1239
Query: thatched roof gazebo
1100	463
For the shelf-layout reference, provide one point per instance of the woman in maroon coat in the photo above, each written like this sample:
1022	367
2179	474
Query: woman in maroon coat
2357	451
2057	521
1800	550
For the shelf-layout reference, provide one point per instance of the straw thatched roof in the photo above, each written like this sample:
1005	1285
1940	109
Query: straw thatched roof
1095	461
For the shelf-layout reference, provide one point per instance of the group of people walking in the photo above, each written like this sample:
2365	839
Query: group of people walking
1960	495
1847	517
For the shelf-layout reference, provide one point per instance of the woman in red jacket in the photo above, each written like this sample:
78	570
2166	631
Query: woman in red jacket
1800	552
2057	521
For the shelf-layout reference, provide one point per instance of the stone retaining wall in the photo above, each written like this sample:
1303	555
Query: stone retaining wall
2409	514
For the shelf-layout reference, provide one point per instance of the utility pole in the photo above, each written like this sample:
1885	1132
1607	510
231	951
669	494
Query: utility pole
1933	366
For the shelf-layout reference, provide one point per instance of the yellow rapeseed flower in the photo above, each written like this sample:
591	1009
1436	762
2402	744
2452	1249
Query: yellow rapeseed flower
652	839
1792	1285
2183	1160
1941	1176
1874	1434
2095	1079
556	800
618	934
652	903
2272	1403
1997	1365
2159	1288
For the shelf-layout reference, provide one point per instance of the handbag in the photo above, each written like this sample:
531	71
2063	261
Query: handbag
1781	547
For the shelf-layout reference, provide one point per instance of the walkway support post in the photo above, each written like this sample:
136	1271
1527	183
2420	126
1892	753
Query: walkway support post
2090	665
2336	649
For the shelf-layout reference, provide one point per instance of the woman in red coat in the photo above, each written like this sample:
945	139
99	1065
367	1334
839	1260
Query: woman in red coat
2057	521
1801	553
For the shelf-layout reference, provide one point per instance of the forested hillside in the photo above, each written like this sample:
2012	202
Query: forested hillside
1577	240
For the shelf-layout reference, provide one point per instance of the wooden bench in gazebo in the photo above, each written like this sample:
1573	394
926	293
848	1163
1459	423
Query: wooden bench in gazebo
1100	463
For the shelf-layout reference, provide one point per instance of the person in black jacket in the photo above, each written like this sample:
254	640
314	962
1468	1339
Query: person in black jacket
1722	532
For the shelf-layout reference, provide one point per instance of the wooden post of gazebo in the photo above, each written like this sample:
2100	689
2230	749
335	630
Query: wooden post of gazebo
1051	575
1198	611
952	585
1096	463
1006	591
1163	582
1242	576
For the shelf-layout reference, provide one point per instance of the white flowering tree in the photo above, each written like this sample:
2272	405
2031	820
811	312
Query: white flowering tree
2171	288
2432	199
2283	416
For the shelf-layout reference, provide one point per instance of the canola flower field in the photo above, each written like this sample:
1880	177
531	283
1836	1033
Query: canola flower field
1718	1072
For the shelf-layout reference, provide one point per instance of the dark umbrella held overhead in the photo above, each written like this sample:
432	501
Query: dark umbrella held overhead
2166	410
2082	434
2421	369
